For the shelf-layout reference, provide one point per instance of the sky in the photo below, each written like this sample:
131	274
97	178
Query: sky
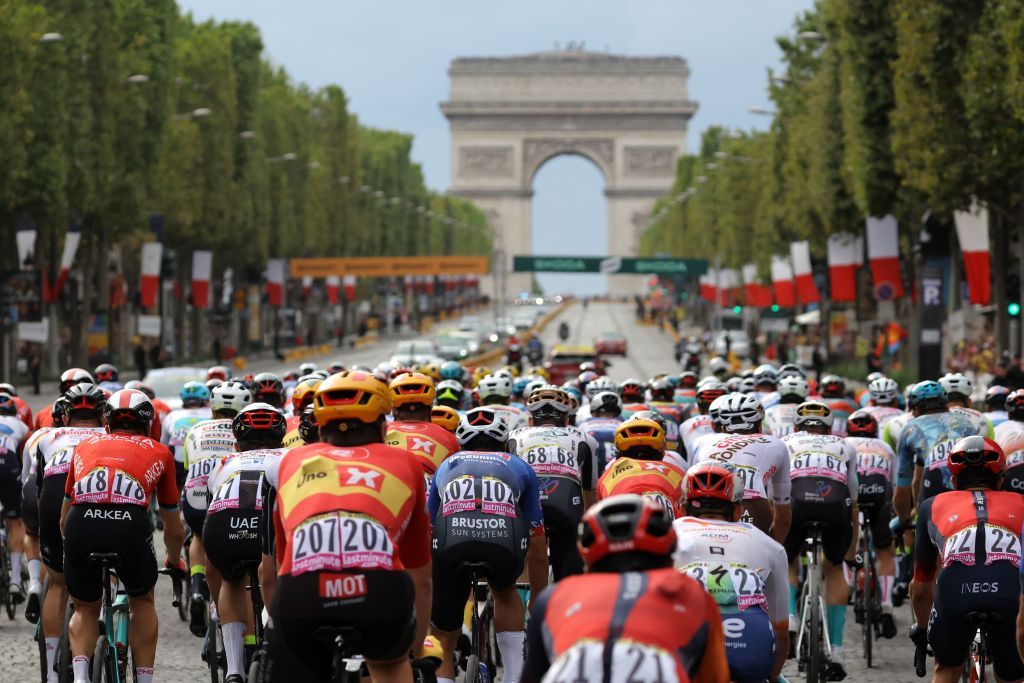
392	58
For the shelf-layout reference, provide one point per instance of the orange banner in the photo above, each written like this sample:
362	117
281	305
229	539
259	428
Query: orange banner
374	266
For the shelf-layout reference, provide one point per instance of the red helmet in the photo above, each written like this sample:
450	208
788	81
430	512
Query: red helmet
632	390
862	423
973	453
105	372
74	376
688	380
220	372
128	406
626	523
711	479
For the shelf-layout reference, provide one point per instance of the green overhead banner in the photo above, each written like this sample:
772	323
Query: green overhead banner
609	265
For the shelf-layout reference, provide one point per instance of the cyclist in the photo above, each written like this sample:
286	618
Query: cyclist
78	416
621	620
452	394
302	398
107	377
159	413
876	471
605	412
563	459
308	429
669	454
823	469
778	420
24	410
221	372
663	394
195	407
641	466
485	508
884	405
268	388
967	559
686	391
205	445
232	527
13	434
369	499
30	511
445	417
759	459
766	384
495	391
632	392
995	401
745	571
412	396
106	509
594	387
835	396
68	378
959	389
1010	437
700	424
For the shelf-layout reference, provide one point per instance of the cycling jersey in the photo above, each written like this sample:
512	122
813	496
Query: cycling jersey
1010	437
24	411
996	417
292	437
205	445
883	416
780	419
629	409
669	410
892	431
691	430
746	572
686	398
654	479
926	442
602	431
982	423
876	472
841	408
769	398
121	469
13	433
626	627
430	443
176	425
44	418
515	418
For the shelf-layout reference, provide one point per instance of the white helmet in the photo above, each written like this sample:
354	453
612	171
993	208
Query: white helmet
957	383
717	365
606	401
601	384
230	395
765	374
533	386
494	385
793	385
746	385
738	412
481	422
884	390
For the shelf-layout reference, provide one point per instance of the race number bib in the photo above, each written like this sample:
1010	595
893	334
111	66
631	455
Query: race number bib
663	500
109	485
871	464
818	464
753	486
551	460
465	493
939	453
59	462
242	489
630	663
338	540
729	583
196	484
1001	544
960	547
1015	459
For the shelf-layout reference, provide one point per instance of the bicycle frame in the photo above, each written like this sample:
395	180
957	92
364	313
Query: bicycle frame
814	574
480	628
114	622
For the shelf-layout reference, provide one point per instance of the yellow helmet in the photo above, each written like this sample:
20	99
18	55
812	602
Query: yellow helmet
354	395
302	395
446	417
514	369
479	373
412	388
431	370
539	372
637	432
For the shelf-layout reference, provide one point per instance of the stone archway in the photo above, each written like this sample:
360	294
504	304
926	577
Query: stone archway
509	115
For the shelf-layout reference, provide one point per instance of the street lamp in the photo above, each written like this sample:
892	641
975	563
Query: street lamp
287	156
247	135
763	111
137	79
200	113
51	38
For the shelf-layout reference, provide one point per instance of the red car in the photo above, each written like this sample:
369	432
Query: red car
610	344
563	362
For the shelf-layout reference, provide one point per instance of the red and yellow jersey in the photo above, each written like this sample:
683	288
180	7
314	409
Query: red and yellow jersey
292	438
430	443
656	625
339	508
655	479
117	469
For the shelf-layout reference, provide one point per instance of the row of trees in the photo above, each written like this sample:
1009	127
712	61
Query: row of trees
907	107
114	110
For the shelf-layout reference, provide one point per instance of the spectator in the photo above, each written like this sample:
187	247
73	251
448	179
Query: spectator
874	361
1015	374
139	354
818	362
35	362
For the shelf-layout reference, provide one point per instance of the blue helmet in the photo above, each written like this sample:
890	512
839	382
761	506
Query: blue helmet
519	385
927	395
194	392
451	369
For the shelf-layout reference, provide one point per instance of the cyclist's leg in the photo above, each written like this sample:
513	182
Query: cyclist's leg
10	500
51	547
142	634
949	634
198	586
885	565
84	583
137	572
226	556
447	607
509	628
30	516
835	544
793	544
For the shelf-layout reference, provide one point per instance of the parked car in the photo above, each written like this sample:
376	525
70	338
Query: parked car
166	383
739	343
563	362
610	344
415	352
457	344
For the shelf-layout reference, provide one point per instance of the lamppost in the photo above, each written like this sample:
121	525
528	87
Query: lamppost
275	250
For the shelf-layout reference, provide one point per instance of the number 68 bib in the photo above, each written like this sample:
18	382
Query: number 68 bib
341	540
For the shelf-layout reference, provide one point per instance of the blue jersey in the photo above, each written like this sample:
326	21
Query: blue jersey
927	441
602	430
495	483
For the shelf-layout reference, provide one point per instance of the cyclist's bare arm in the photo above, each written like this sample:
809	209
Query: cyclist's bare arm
783	520
174	534
1020	627
537	564
422	583
902	503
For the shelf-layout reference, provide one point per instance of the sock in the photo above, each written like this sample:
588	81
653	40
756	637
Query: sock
233	634
837	654
792	601
848	574
445	680
16	561
887	582
143	674
510	644
51	655
197	569
35	570
80	667
836	615
250	639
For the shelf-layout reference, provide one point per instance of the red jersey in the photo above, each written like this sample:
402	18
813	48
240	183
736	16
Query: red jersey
969	528
24	412
430	443
340	508
655	479
44	418
116	469
656	625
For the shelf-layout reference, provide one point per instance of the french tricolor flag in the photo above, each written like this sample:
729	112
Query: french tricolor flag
275	282
333	285
202	269
758	295
782	282
884	254
152	253
845	257
67	259
800	252
972	231
349	283
709	285
726	281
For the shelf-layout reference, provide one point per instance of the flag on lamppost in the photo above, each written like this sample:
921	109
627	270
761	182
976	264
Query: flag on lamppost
804	278
845	257
758	294
26	240
152	255
67	259
972	231
275	282
333	284
782	282
709	285
884	254
202	271
349	283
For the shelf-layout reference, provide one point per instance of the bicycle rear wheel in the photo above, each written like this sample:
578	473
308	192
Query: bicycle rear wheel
100	662
870	611
41	642
816	662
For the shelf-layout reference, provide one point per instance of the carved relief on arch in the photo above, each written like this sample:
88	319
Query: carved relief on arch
538	150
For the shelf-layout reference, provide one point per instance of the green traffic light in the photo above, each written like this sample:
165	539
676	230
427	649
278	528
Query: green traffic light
775	308
737	309
1013	308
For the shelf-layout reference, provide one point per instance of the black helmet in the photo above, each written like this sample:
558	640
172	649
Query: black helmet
267	385
259	422
308	428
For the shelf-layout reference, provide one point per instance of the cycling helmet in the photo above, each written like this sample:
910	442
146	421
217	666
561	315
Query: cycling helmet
139	386
309	430
574	394
548	396
74	376
446	417
129	407
8	388
412	389
765	374
303	393
335	367
628	523
927	395
351	396
494	385
1015	405
539	372
662	391
586	377
862	423
267	385
632	391
606	402
714	412
688	380
212	384
833	386
718	366
790	370
7	405
638	432
105	372
793	385
481	422
673	380
732	385
514	369
711	480
59	411
519	385
531	387
884	391
746	385
976	460
451	369
259	422
708	392
588	366
957	384
450	390
220	372
231	395
503	372
307	369
599	385
86	398
813	414
433	371
194	393
873	376
739	412
995	397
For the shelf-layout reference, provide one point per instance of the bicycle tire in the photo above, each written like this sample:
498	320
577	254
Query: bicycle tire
816	672
41	643
65	672
870	613
212	660
100	661
473	669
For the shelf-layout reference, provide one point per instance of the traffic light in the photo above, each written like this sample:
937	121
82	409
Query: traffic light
775	308
737	309
1013	308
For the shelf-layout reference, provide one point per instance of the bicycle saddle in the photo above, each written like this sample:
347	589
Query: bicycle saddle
982	618
109	559
349	636
481	569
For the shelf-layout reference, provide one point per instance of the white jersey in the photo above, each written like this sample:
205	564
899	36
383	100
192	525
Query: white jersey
557	452
981	423
237	480
53	452
582	414
514	417
769	398
894	427
1010	437
996	417
12	433
206	444
737	563
761	460
691	430
883	416
780	419
823	456
176	425
31	453
874	458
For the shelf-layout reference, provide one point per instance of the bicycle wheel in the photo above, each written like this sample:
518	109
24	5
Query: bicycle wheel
212	659
473	670
816	661
65	672
100	662
41	642
870	612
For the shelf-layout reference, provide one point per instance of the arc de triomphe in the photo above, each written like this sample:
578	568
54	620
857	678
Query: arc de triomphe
510	115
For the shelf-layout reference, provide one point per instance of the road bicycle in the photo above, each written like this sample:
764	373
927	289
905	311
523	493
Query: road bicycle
111	659
867	600
978	657
481	658
813	647
6	597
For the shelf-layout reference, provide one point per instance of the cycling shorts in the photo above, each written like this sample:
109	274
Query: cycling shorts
267	523
10	485
838	533
101	528
877	509
379	605
232	541
749	645
561	501
194	518
959	590
451	580
30	505
51	543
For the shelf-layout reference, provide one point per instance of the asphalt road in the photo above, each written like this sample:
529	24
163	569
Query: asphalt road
650	351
